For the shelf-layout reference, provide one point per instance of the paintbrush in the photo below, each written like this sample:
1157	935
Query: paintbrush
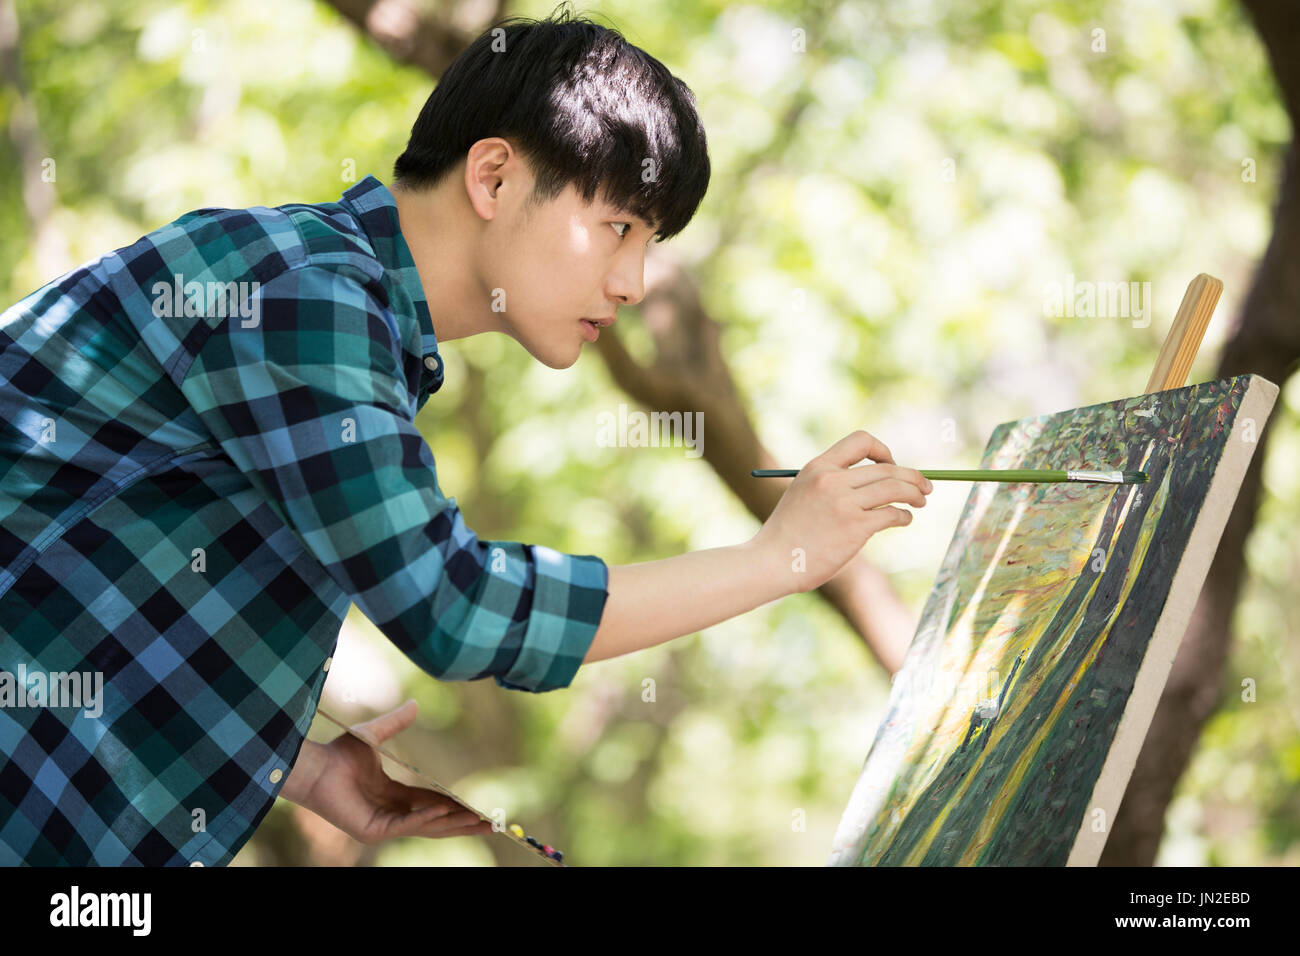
996	474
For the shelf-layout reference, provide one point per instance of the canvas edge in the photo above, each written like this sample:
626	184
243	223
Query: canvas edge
1148	684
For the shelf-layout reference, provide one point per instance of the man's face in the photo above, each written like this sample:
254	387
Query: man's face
546	267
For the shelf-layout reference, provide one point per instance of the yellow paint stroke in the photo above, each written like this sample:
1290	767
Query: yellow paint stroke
950	727
1014	779
947	726
998	805
928	756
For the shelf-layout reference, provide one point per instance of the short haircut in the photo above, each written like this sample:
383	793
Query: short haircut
582	105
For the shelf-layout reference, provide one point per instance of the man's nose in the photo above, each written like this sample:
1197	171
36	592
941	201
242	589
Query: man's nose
628	284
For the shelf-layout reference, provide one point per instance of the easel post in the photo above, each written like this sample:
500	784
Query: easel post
1181	344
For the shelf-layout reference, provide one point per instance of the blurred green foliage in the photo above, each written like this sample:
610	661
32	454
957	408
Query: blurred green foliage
890	205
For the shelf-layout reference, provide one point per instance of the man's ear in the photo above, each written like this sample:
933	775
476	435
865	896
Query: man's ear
487	165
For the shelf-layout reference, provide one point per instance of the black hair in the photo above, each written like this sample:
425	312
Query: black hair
582	105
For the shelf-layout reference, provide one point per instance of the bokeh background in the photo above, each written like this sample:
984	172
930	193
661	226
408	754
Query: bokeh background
896	185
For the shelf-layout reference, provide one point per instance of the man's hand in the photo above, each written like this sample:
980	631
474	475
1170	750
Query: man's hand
828	512
344	783
834	505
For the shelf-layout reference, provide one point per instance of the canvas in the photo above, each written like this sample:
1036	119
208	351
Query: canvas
1015	721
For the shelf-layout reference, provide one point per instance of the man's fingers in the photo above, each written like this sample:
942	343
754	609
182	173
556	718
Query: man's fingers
455	824
422	798
854	447
432	822
887	516
386	725
476	829
890	491
863	475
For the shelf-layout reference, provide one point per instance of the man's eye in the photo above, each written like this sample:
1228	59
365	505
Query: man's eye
623	235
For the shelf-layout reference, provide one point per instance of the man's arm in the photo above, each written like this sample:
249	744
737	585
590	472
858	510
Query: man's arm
827	514
648	604
656	601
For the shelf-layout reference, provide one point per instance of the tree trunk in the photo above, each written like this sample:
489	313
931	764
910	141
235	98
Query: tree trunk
1265	341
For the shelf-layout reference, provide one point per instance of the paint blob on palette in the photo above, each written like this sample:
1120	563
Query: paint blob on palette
1015	721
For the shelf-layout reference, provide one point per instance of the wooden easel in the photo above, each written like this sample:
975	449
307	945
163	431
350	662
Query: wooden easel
1184	339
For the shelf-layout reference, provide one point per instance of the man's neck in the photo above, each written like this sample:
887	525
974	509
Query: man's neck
435	232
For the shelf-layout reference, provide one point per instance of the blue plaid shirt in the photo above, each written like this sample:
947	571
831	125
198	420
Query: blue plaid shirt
207	451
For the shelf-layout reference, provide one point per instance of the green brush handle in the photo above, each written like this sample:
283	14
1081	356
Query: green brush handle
991	474
996	474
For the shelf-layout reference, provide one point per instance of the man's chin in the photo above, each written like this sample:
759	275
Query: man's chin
556	359
570	361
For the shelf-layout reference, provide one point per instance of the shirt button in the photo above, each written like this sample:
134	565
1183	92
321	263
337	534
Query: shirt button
276	775
328	660
432	363
197	863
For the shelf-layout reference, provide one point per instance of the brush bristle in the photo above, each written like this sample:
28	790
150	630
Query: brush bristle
1134	477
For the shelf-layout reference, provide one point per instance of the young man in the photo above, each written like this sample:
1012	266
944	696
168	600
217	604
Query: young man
209	452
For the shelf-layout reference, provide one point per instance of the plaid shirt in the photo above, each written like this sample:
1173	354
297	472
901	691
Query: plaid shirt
207	450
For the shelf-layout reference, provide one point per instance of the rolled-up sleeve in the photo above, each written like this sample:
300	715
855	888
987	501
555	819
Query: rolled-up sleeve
311	404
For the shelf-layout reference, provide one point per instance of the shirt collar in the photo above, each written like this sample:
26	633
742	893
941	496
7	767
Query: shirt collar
376	209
